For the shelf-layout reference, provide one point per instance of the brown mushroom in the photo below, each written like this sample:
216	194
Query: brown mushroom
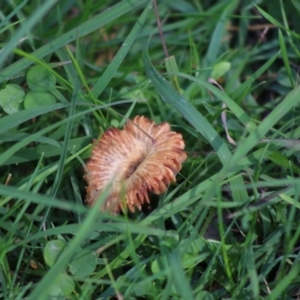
141	158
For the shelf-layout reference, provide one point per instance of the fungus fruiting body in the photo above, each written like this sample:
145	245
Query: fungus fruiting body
143	157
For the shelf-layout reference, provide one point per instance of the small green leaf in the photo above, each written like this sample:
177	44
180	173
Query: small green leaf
83	264
220	69
34	99
171	241
157	270
40	79
11	98
63	285
52	250
188	261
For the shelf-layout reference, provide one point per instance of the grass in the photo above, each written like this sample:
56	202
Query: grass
228	229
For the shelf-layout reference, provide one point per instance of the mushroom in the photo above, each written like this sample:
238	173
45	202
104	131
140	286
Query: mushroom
143	157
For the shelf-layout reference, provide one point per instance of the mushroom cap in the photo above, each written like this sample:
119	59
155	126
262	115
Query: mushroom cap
143	157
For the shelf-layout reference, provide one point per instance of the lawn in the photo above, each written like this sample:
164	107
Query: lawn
224	75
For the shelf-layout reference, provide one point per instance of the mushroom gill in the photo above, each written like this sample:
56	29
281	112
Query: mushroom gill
141	158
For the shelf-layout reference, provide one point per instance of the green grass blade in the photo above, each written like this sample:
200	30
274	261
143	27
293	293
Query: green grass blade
283	284
40	292
216	39
34	153
116	62
11	121
25	27
64	150
39	199
180	281
291	100
13	13
275	22
16	147
171	96
232	105
89	26
246	84
285	57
